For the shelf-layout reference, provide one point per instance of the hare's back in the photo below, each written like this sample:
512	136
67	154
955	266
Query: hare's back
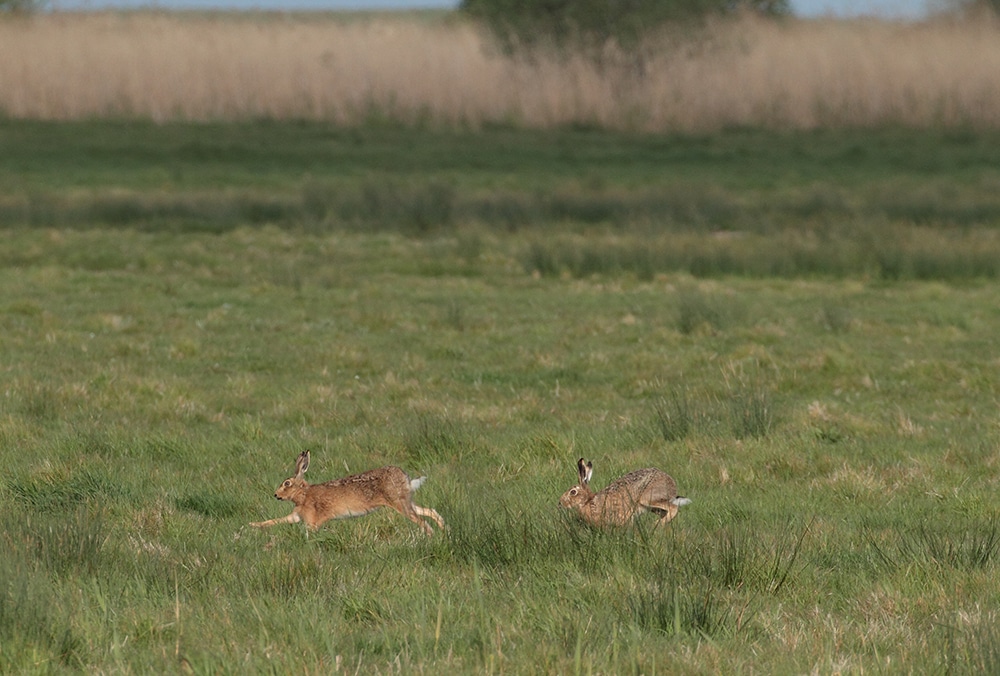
387	482
648	484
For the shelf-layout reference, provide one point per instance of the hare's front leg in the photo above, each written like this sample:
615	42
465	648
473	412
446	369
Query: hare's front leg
291	518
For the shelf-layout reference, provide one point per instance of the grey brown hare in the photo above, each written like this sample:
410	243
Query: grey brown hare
640	491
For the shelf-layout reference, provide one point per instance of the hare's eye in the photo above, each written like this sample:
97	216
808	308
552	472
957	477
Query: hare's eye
287	483
573	491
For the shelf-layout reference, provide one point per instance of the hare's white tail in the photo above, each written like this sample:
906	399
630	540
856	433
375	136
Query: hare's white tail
417	483
680	502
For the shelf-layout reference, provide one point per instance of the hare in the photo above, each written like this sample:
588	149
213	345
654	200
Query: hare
354	495
644	490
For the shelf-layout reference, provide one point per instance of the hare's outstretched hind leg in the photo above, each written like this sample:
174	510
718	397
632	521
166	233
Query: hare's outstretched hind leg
428	512
411	513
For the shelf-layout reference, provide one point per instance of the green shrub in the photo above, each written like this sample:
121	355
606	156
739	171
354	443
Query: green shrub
19	5
574	23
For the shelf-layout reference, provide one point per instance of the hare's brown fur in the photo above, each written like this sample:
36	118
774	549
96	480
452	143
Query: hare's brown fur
639	491
354	495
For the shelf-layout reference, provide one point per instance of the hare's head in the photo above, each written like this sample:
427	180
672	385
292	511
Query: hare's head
294	485
580	494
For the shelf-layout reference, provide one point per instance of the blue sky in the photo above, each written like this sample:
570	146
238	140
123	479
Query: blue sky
889	8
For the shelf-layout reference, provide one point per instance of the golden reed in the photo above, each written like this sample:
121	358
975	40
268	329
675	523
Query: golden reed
747	72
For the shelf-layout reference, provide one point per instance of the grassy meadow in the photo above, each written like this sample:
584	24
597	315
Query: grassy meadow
801	327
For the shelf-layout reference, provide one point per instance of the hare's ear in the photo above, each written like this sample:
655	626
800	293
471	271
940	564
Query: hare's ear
302	464
585	469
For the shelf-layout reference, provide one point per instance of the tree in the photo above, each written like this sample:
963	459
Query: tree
591	23
19	5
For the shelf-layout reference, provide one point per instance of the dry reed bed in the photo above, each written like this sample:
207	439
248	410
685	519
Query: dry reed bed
799	74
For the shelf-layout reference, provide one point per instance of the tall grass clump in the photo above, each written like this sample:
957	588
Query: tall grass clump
675	611
972	545
432	439
54	490
73	542
972	644
836	317
697	311
385	205
674	417
499	536
899	252
34	552
739	558
751	408
33	625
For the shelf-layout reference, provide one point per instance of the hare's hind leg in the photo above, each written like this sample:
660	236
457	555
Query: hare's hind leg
409	511
428	512
666	511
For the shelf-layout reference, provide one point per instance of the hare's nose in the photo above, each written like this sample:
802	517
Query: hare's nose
277	497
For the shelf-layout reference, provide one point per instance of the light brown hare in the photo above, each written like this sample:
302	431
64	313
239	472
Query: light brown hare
354	495
644	490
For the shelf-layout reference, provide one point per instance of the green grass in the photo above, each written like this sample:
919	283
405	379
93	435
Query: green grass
142	155
888	204
836	434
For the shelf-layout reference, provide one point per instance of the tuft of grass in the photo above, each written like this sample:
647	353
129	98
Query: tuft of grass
675	612
496	536
455	315
541	260
700	312
673	415
56	490
433	439
41	403
32	623
73	542
836	317
972	545
974	645
288	574
212	504
384	204
740	559
751	410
